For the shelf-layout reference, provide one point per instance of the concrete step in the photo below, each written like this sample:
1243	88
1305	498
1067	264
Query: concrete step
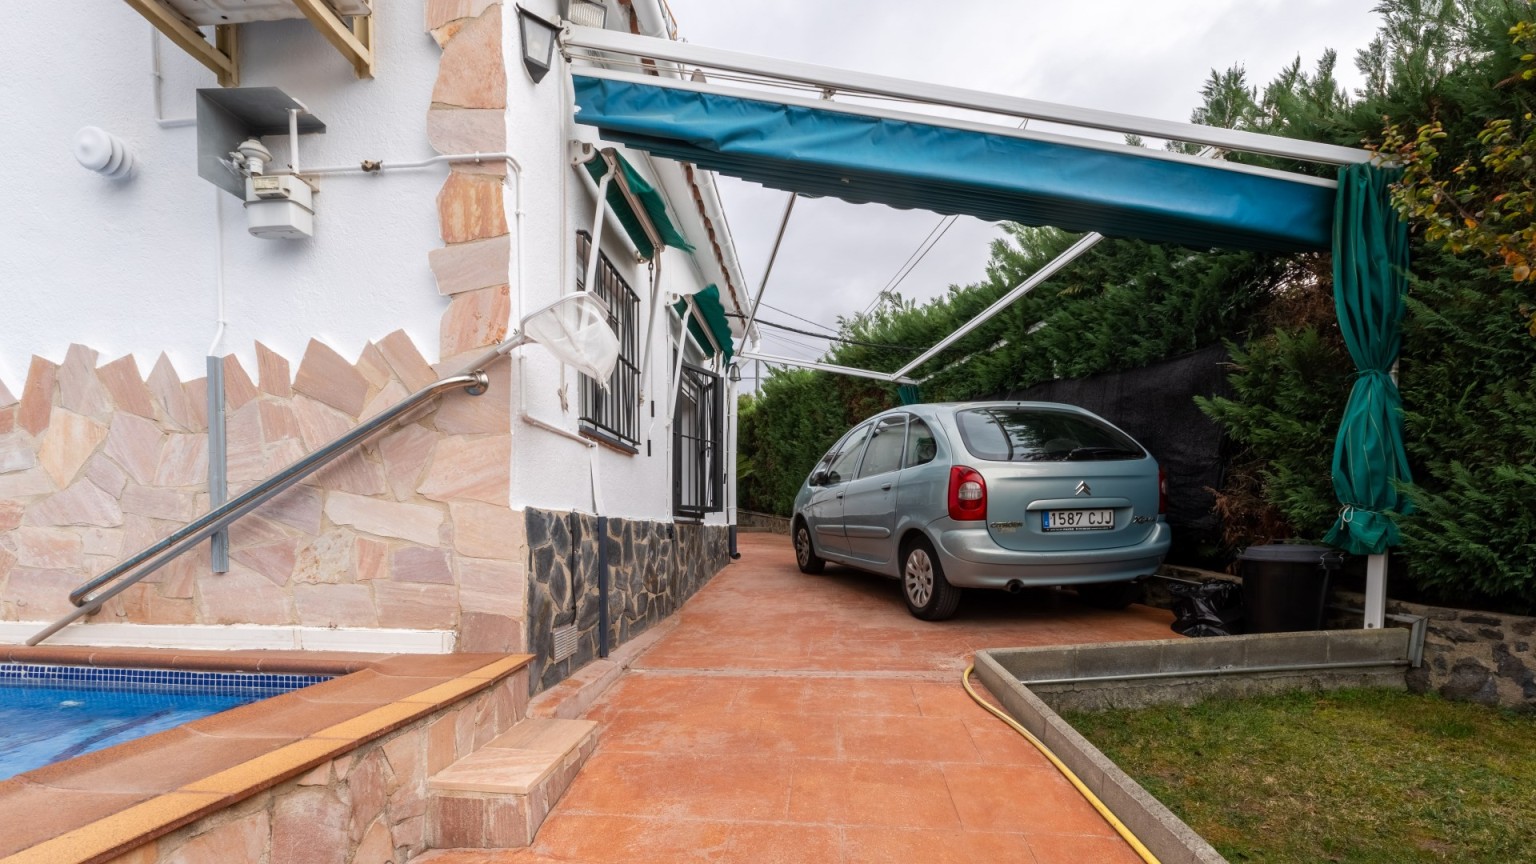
499	795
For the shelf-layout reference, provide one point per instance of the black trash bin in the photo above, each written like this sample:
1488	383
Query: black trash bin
1285	585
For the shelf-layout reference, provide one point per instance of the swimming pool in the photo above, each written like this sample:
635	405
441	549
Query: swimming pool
52	713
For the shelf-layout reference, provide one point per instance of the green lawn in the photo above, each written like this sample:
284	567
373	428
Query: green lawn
1354	775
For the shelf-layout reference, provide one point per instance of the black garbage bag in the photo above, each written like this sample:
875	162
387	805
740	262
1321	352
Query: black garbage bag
1213	608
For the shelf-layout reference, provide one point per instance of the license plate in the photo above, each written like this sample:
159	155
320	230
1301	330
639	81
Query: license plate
1079	520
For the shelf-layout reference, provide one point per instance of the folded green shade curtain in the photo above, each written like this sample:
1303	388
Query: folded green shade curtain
650	201
908	394
713	315
1370	277
997	177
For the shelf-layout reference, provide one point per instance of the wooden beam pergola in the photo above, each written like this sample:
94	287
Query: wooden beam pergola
352	36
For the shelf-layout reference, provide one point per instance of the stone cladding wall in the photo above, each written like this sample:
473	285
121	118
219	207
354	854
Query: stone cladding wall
1475	656
411	531
654	567
1471	655
364	807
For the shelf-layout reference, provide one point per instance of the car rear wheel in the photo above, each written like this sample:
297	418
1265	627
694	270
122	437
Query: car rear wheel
1109	595
928	594
805	553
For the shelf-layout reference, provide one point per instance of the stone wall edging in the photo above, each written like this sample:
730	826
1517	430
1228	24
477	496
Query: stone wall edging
654	568
412	530
363	807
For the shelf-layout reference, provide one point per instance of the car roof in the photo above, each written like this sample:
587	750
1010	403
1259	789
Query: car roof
936	408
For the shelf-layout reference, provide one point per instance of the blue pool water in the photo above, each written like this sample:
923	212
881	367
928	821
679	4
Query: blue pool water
52	713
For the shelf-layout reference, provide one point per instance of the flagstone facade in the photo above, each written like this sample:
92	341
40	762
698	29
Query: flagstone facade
421	528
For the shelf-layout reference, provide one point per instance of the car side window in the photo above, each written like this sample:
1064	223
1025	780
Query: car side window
885	445
921	446
843	464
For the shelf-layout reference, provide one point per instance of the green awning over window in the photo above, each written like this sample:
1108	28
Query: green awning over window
655	210
713	314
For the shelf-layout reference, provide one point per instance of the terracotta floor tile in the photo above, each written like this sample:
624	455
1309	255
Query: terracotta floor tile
697	729
1015	799
800	735
681	786
602	839
882	845
1076	849
157	763
887	738
665	692
999	744
897	794
762	843
31	814
936	699
827	695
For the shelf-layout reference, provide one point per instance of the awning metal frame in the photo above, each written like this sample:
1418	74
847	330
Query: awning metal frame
603	44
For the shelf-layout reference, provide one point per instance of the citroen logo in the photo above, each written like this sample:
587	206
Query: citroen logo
1082	488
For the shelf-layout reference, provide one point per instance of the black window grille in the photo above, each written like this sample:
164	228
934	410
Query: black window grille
698	451
612	414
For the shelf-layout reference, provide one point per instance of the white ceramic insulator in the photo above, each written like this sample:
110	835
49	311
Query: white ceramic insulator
103	152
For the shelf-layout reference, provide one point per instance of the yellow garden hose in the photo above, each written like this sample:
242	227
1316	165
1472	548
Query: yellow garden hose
1115	823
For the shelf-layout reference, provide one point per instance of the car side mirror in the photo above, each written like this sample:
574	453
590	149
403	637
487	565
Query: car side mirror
818	477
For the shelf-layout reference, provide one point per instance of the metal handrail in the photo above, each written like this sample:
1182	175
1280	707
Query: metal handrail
129	572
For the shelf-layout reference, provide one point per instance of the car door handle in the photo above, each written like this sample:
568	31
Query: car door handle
839	495
885	488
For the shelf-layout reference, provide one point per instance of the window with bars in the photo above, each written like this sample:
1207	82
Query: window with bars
612	414
698	444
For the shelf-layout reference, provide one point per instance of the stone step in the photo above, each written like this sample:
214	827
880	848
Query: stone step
499	795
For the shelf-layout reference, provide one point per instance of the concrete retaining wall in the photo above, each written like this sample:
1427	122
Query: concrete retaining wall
1375	658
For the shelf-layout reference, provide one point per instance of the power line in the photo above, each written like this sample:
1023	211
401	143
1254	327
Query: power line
914	259
829	336
797	317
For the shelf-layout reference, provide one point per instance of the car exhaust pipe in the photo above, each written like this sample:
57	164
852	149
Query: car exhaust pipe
1015	587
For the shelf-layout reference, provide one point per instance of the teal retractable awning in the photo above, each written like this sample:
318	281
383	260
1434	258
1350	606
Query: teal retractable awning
993	176
654	209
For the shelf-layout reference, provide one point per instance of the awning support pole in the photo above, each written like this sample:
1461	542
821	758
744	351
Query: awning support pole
773	254
1072	253
824	367
1376	578
597	230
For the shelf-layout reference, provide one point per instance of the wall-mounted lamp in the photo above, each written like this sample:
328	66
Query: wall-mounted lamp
538	38
584	13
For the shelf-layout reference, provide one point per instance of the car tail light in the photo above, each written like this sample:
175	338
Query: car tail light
1162	490
967	495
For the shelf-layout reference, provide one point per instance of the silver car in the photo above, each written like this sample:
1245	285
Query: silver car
998	495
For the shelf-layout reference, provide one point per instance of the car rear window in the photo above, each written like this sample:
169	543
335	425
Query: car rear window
1041	435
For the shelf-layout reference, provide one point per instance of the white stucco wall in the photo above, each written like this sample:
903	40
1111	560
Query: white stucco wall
130	266
549	471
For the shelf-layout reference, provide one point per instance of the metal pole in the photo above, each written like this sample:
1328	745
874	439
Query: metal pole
773	255
218	474
1376	575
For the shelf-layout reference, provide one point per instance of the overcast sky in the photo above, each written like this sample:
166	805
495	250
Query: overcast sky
1146	57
